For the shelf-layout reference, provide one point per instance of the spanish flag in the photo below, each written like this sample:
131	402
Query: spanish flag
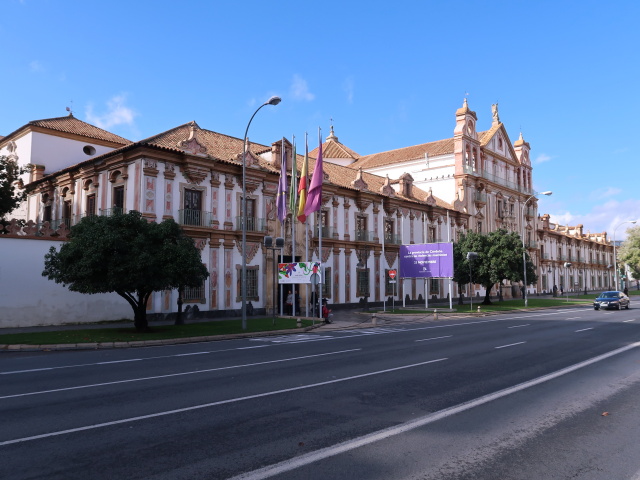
302	186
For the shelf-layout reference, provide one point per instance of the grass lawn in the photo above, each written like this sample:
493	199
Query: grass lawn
159	332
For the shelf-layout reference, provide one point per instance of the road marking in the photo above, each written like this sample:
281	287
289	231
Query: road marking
32	370
311	457
298	338
627	321
518	326
177	374
213	404
584	329
510	345
573	318
434	338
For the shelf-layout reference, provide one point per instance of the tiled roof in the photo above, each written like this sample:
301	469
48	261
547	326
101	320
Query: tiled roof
217	145
343	176
228	149
332	148
71	124
440	147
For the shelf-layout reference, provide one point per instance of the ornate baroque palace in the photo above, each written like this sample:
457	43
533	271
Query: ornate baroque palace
371	204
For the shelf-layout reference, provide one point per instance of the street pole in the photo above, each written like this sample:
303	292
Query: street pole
243	277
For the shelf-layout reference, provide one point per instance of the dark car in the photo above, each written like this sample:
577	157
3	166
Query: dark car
615	300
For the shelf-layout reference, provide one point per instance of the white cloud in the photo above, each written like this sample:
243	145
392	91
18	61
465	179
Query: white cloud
543	157
36	67
349	86
117	114
604	218
602	193
300	89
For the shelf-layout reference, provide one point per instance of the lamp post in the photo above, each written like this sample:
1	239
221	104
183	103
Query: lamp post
471	256
524	248
268	243
243	278
615	258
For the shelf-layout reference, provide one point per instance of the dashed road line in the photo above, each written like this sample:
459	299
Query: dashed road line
510	345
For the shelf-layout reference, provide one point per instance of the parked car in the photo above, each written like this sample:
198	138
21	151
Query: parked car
613	299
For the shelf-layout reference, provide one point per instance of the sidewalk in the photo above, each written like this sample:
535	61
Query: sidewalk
342	319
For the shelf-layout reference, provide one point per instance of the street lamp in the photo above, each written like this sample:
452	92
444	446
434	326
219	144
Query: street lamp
243	278
471	256
524	249
268	243
615	258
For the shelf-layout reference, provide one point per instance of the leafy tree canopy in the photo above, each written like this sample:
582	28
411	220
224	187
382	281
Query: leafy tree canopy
499	258
629	251
11	195
128	255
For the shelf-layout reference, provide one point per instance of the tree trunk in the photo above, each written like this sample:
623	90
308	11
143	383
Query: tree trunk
140	318
487	295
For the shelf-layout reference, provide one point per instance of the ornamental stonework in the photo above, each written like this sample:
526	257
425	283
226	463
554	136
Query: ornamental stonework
194	175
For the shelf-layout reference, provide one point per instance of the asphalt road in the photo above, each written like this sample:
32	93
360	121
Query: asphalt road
474	398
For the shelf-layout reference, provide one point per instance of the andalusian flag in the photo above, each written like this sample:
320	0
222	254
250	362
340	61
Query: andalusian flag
281	199
302	186
293	194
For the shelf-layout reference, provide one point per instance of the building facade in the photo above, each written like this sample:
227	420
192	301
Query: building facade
371	205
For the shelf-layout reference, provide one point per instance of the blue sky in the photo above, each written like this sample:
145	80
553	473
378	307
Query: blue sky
389	74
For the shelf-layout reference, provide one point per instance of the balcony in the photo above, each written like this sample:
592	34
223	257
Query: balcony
393	238
194	218
529	212
363	236
480	199
496	179
253	224
327	232
109	212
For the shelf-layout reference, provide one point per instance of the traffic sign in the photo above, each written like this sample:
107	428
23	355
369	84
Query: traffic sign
392	274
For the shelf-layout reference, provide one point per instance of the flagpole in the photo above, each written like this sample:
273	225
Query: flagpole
294	192
320	229
450	282
426	290
306	222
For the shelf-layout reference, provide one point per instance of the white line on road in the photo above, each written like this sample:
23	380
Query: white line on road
510	345
306	459
573	318
627	321
213	404
434	338
518	326
127	360
177	374
584	329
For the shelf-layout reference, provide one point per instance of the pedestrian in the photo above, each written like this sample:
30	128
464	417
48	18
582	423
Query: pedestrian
561	290
555	290
626	291
326	313
289	303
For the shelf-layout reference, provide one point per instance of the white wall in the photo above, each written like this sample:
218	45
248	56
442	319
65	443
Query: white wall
29	299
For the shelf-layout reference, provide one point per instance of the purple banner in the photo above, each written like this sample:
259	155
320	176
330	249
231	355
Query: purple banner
427	260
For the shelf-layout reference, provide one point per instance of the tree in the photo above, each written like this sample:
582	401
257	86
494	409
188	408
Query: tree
499	258
629	251
11	195
128	255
